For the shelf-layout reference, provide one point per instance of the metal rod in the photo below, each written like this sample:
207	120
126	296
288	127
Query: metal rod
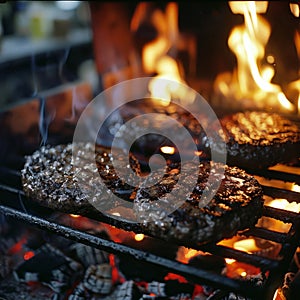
281	214
267	234
5	171
194	274
274	192
256	260
274	174
7	188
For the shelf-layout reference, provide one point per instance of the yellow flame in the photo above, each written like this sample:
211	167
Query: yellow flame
294	7
238	7
229	261
246	245
244	274
191	253
74	216
167	149
139	237
157	59
252	78
296	188
284	204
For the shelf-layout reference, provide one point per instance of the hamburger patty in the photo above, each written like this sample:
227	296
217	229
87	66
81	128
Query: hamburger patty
254	139
236	205
260	139
48	178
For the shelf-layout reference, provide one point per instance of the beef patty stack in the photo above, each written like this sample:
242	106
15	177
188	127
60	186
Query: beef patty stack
48	178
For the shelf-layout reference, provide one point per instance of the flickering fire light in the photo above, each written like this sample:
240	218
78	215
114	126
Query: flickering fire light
167	149
250	85
139	237
247	245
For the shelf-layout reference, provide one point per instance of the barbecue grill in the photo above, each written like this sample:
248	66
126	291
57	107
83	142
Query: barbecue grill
14	204
50	117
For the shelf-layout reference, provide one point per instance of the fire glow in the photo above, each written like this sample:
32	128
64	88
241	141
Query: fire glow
250	85
159	55
167	150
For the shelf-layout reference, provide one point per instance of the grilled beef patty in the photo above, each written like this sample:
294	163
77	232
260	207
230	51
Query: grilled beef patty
260	139
48	178
254	139
236	205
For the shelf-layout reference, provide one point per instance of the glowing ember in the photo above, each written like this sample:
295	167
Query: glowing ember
74	216
247	245
284	204
116	214
28	255
277	225
139	237
167	150
251	83
244	274
198	153
185	254
191	253
229	261
296	188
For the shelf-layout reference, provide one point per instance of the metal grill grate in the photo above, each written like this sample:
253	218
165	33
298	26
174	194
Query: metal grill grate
16	205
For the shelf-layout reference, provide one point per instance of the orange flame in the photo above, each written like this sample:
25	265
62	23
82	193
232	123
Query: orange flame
252	80
246	245
294	7
28	255
159	55
167	149
284	204
74	216
139	237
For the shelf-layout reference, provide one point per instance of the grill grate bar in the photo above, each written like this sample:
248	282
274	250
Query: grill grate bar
6	188
274	174
282	215
266	234
258	261
275	192
246	287
8	171
194	274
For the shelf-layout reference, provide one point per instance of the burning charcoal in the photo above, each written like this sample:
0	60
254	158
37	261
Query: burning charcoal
234	296
51	267
129	291
149	297
4	266
56	297
79	293
219	294
169	288
157	288
98	279
256	279
3	224
181	297
90	255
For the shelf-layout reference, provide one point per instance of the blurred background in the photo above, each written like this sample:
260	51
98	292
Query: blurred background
46	45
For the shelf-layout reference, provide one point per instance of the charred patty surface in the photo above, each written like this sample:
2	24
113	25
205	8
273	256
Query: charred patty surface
260	139
237	204
48	177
